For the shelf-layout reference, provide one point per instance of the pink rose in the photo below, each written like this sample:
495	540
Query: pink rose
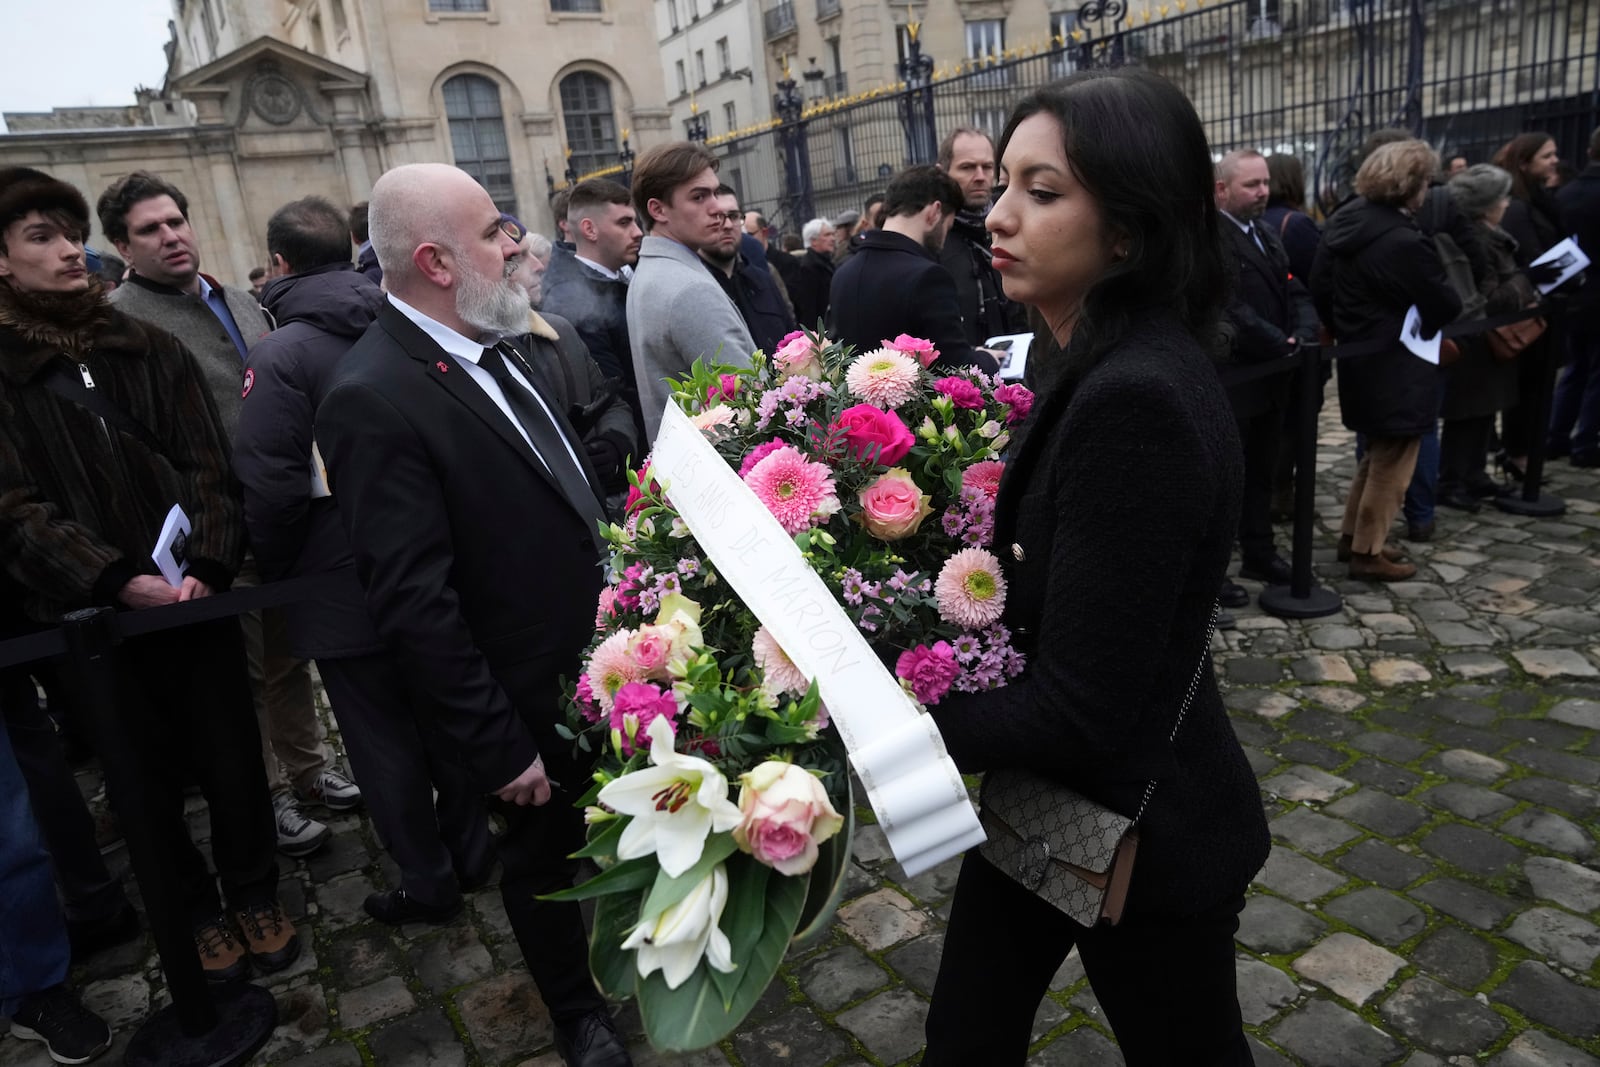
786	815
984	475
633	709
962	391
797	355
922	351
650	649
1019	398
757	454
929	670
871	430
893	507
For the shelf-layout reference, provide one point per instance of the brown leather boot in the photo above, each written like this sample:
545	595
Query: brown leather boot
222	955
1377	567
269	936
1392	553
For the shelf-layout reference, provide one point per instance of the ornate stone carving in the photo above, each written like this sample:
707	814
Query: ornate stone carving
272	96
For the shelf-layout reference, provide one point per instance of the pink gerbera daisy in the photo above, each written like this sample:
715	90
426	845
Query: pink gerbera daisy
970	591
883	377
793	488
611	667
778	672
984	475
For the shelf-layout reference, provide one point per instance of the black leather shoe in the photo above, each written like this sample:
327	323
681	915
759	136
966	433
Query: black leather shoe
1273	571
1460	499
397	908
1233	595
592	1041
1226	621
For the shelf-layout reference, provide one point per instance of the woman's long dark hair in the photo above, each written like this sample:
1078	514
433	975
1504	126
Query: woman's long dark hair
1515	155
1134	141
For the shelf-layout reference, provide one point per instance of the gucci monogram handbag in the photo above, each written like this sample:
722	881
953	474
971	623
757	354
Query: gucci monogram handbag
1070	851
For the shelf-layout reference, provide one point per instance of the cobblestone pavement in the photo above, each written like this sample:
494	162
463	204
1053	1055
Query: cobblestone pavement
1430	762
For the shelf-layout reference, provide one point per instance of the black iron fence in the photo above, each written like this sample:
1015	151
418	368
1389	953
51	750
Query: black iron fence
1305	77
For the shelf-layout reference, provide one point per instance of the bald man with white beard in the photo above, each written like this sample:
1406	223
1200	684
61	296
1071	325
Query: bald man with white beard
472	513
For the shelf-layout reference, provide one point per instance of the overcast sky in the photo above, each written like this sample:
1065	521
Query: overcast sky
80	53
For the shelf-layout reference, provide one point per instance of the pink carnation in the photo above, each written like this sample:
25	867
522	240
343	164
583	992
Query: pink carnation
984	475
867	427
970	590
962	391
1019	398
637	705
585	699
794	489
757	454
922	351
930	671
727	388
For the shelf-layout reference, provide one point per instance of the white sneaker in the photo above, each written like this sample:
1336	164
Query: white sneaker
298	835
333	791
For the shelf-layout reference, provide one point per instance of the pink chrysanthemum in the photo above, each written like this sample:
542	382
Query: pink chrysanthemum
778	672
970	591
883	377
793	488
757	454
611	667
606	608
984	475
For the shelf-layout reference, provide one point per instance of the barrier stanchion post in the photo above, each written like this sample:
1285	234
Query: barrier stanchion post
1302	598
1531	501
201	1028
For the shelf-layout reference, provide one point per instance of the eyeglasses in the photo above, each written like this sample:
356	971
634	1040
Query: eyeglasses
512	228
735	218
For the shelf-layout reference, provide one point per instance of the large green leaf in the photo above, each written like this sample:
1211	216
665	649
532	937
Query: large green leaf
826	886
667	891
614	969
694	1016
623	878
604	843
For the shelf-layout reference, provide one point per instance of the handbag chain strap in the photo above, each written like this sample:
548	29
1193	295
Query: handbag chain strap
1188	698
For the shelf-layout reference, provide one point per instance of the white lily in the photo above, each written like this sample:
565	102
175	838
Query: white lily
675	805
674	941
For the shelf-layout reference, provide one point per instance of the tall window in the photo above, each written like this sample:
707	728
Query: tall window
478	135
341	22
700	64
683	79
724	57
672	14
458	5
730	116
1062	24
987	37
902	42
845	173
591	124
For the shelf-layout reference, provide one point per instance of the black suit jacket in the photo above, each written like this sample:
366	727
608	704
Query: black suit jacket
810	293
479	574
892	285
1267	307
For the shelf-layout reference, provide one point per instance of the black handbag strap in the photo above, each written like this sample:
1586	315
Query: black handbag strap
1188	699
67	382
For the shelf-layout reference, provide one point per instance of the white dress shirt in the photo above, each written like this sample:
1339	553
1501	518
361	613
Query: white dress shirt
467	352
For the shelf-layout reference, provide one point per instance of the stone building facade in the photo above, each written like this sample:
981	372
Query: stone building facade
277	99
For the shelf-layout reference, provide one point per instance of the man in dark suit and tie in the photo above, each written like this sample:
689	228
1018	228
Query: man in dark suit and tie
1271	315
472	515
894	283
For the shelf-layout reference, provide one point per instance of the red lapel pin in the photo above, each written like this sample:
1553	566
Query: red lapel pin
443	366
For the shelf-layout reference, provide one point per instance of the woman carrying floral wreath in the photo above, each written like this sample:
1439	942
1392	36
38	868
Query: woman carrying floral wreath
1114	522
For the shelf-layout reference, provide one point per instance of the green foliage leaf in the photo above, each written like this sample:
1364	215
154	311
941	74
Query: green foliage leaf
604	843
668	890
614	969
623	878
826	886
694	1016
742	920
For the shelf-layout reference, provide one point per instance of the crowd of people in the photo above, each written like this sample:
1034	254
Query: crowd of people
429	408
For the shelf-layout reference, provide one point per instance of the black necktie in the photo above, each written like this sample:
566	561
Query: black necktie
1250	232
546	437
